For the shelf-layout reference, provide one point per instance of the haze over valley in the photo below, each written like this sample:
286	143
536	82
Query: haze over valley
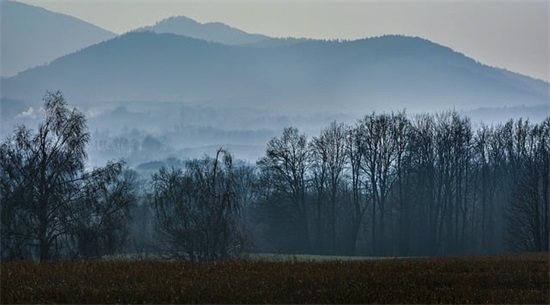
194	86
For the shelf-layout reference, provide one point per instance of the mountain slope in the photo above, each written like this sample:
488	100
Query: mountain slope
390	72
32	36
212	31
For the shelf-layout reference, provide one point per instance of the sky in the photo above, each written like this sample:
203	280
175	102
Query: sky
509	34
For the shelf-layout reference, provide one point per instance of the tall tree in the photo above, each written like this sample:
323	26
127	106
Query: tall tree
422	180
529	208
43	178
401	131
286	165
357	199
99	221
379	155
197	212
328	165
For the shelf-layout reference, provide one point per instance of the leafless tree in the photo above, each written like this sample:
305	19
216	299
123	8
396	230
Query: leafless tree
356	198
379	152
286	166
328	153
197	212
43	182
99	221
530	201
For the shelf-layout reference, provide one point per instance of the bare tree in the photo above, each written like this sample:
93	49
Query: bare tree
401	131
379	152
286	166
99	221
530	202
421	178
490	159
358	202
43	179
328	152
197	212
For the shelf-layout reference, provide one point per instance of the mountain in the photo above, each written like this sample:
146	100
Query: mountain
32	36
382	73
211	31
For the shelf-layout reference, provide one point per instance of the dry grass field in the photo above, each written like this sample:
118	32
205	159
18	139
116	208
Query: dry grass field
522	278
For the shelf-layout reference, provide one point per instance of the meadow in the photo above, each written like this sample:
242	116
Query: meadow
515	278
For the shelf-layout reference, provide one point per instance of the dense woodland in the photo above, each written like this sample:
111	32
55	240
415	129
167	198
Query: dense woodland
389	185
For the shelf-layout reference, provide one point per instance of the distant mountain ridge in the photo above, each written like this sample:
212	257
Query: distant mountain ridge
389	72
211	31
32	36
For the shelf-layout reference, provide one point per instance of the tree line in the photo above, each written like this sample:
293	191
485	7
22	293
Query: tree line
389	185
430	185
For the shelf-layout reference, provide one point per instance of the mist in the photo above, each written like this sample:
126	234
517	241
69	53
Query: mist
383	146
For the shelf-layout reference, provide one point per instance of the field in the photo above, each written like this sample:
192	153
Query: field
521	278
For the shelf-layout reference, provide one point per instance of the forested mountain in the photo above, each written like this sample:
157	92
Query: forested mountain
211	31
389	72
33	36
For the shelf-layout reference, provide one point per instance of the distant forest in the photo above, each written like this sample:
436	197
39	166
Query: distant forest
388	185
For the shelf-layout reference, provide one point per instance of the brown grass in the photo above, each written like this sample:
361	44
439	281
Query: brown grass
488	279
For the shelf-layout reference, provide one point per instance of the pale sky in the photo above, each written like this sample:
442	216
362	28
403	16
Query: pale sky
509	34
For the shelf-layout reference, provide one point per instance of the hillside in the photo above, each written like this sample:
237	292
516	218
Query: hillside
383	73
32	36
211	31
